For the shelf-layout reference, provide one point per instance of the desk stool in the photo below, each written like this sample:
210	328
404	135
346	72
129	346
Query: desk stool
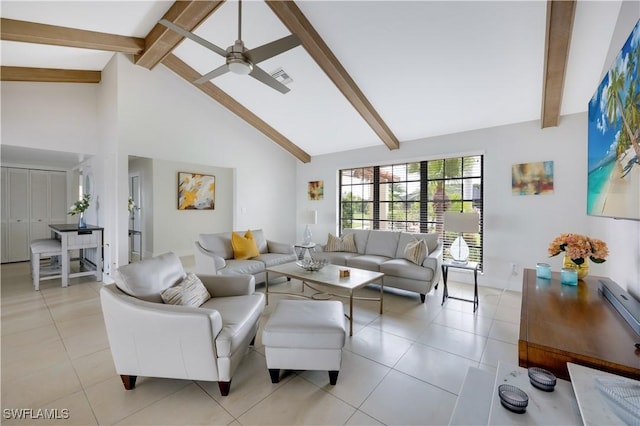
41	249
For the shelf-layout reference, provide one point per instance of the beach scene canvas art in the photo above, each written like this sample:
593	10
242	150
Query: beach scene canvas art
613	188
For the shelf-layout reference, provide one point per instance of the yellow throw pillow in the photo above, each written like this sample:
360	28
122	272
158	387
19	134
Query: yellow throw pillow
244	247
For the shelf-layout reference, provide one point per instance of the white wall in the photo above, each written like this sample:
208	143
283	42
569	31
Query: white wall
517	228
51	116
163	117
176	230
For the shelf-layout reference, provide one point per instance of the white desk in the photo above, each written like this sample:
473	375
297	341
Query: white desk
73	238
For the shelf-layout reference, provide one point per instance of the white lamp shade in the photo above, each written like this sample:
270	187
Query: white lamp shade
310	217
461	222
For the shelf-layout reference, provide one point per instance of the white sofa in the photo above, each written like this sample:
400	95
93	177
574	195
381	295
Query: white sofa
153	339
214	255
383	251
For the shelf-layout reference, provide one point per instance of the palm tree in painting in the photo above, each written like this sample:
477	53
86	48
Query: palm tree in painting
615	108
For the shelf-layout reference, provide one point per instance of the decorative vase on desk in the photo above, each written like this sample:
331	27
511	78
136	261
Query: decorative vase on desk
582	269
81	221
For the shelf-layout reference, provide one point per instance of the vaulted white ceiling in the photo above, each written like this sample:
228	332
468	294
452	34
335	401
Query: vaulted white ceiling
427	67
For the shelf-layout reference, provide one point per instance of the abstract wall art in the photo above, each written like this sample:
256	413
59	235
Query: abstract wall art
532	178
316	190
196	191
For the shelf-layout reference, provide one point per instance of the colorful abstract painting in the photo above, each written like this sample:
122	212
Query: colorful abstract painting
196	191
613	180
316	190
532	178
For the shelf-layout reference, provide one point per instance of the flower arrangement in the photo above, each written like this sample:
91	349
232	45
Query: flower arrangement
80	206
579	247
131	204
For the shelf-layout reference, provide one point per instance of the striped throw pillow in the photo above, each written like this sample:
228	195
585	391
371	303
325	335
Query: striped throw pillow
416	251
346	243
189	292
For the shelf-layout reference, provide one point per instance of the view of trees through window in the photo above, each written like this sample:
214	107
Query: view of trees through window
413	197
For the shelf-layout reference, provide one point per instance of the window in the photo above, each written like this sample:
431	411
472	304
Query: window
413	197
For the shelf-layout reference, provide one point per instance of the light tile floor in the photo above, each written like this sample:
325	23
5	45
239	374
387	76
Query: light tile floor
402	368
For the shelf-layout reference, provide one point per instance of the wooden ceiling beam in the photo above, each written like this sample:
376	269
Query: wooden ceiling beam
560	15
49	75
161	41
189	74
293	18
31	32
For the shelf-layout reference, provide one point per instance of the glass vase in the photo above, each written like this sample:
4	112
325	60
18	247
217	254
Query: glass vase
582	270
81	221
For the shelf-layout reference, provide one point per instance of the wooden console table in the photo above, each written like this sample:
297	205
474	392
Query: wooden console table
560	324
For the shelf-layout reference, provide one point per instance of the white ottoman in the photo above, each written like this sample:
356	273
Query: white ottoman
305	335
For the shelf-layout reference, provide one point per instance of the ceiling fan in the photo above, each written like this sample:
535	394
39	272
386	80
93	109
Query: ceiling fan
239	59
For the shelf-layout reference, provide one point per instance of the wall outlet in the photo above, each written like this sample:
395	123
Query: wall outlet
514	268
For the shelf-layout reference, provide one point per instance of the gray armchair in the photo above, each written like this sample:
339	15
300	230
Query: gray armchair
153	339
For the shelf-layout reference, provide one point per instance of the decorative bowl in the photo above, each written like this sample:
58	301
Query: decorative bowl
513	398
542	379
312	264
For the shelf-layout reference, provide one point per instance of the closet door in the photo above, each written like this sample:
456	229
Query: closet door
39	205
18	217
58	206
4	213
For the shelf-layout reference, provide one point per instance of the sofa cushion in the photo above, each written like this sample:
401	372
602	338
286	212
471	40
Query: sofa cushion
188	292
272	259
261	240
345	243
406	269
239	315
244	247
405	237
244	266
361	236
219	244
148	278
368	262
416	250
382	243
335	257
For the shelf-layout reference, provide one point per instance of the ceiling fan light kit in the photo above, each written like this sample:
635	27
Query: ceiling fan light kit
239	60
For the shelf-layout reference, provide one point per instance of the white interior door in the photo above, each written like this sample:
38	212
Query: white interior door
18	217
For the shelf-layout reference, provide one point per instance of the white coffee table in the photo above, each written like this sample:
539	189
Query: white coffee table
330	276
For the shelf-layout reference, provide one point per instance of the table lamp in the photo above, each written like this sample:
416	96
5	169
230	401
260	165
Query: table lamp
460	222
310	218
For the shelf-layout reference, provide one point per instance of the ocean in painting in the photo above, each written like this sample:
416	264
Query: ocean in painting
597	182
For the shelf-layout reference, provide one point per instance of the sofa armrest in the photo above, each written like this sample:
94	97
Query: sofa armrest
229	285
207	262
275	247
433	261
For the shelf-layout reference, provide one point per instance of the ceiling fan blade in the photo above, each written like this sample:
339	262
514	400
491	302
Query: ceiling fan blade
192	36
260	75
222	69
272	49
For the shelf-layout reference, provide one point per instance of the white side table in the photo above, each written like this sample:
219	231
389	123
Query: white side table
469	266
302	249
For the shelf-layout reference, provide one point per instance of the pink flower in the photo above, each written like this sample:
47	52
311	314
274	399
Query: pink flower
579	247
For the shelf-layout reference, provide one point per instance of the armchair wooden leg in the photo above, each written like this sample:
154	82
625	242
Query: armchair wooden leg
253	341
224	387
333	377
275	375
422	297
129	382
